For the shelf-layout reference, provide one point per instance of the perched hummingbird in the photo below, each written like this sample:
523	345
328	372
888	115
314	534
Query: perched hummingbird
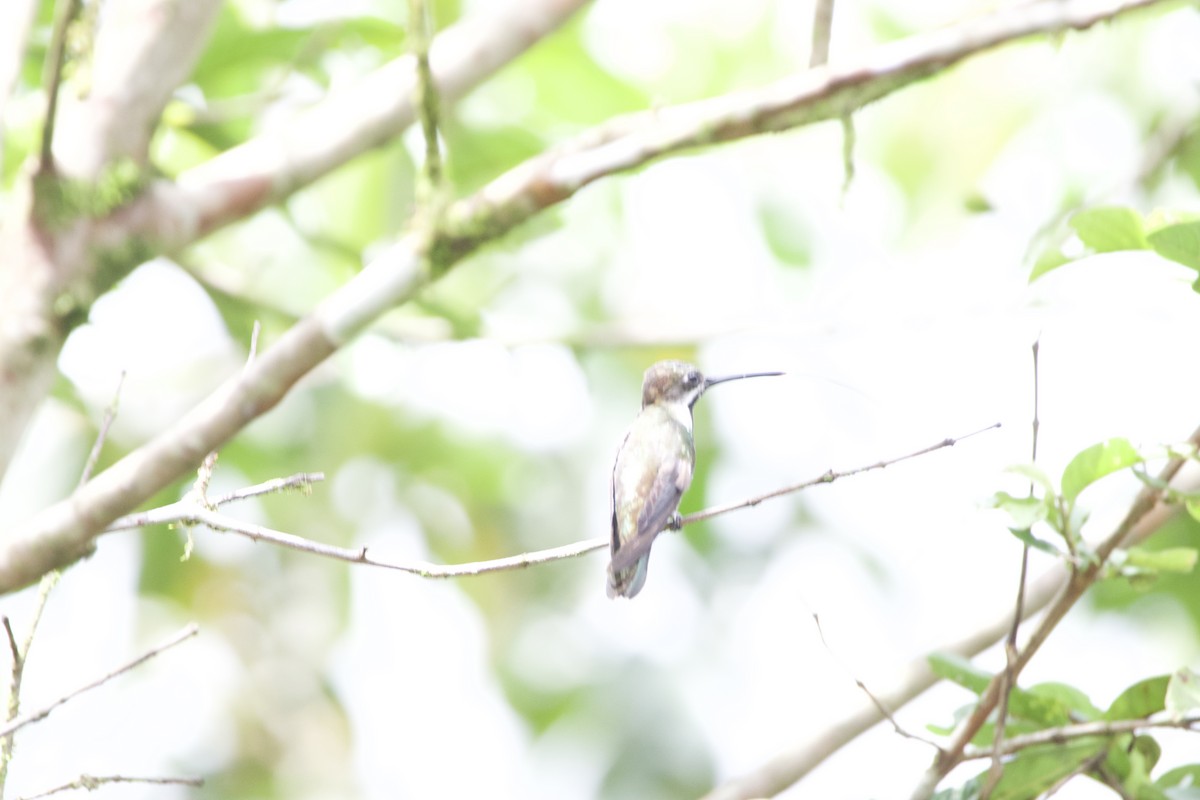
654	468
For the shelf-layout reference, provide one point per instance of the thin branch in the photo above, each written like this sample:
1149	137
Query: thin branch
909	681
1081	730
301	482
61	533
110	414
26	719
822	28
883	710
20	657
200	511
425	99
360	555
93	782
254	334
1142	509
829	477
179	512
1010	644
52	78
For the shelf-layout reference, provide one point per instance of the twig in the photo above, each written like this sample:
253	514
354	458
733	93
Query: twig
20	657
1078	582
60	534
424	569
110	414
177	512
829	477
818	57
253	353
93	782
302	481
911	679
425	100
822	28
52	78
205	473
883	710
26	719
1080	730
201	511
1010	644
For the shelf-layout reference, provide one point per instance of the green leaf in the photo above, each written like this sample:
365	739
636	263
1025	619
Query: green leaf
1181	783
1171	559
1036	769
1044	706
1035	474
1095	462
1051	259
1179	242
1193	508
1131	758
1183	692
1080	706
1025	512
1026	536
1140	700
956	669
1111	228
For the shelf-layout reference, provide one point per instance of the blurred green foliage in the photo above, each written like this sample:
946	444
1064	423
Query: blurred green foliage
468	490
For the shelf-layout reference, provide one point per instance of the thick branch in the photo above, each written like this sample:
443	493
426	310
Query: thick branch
349	122
144	50
63	532
38	270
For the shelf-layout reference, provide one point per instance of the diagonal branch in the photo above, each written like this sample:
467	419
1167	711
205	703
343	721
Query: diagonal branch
62	533
49	259
349	122
34	716
52	80
1148	501
145	49
912	679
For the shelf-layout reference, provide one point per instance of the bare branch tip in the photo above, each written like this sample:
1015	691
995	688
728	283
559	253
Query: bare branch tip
12	641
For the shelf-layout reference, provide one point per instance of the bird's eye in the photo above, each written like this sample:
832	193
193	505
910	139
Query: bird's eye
692	378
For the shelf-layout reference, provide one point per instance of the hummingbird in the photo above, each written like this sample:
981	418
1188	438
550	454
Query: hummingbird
654	468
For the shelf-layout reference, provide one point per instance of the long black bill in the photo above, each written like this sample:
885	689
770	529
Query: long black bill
711	382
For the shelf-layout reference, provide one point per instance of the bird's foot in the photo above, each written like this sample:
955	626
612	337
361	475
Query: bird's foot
675	523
